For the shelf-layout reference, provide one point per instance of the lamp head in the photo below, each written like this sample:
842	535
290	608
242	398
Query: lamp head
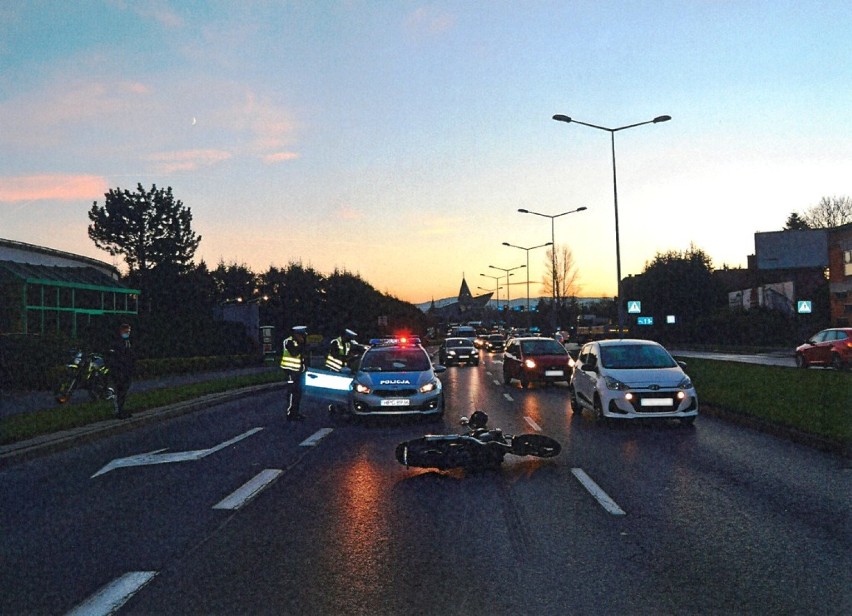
523	211
561	118
663	118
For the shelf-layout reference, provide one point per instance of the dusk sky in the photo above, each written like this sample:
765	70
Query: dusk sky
397	140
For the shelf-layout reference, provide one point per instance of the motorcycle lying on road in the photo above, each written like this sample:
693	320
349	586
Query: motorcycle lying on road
84	371
480	448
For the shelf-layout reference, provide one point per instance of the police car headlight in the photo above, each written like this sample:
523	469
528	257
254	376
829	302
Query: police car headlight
360	388
430	386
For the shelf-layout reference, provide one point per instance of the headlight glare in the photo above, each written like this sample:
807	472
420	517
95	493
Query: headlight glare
362	389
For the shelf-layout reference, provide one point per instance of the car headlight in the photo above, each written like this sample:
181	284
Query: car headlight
430	386
451	352
615	384
529	363
362	389
686	383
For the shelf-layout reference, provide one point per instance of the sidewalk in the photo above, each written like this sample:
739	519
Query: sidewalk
27	402
58	441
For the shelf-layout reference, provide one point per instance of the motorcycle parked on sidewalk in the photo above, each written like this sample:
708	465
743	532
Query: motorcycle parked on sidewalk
85	371
479	448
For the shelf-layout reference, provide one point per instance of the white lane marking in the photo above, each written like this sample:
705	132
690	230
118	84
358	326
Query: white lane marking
115	594
249	490
532	424
156	457
508	397
316	437
489	373
496	382
602	497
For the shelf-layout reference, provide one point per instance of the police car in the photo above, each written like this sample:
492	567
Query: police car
396	377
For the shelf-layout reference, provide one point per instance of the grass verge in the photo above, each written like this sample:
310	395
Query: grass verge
58	418
816	401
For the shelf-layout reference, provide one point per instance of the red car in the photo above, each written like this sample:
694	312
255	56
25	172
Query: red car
535	359
830	347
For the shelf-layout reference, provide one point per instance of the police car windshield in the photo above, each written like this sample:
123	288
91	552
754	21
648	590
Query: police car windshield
396	360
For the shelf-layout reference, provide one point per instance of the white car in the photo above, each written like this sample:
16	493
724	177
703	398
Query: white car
631	379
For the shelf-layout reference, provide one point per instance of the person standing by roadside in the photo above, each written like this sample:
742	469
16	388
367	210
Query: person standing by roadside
341	351
120	362
294	364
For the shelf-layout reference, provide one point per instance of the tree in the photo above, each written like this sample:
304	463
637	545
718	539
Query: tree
149	229
829	212
795	223
567	277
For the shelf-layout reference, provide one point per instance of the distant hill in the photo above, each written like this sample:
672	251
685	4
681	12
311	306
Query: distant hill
515	302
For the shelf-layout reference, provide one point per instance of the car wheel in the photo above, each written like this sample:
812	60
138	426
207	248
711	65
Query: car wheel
599	412
801	362
525	382
836	362
575	404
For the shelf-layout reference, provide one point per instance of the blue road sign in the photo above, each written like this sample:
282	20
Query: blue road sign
634	307
644	320
805	307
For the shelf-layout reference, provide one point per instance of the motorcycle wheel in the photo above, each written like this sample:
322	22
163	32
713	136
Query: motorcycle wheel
537	445
65	389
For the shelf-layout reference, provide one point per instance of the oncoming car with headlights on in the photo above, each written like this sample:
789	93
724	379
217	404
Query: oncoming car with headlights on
396	377
632	379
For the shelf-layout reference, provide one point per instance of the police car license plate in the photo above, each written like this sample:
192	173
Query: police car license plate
396	402
554	373
657	402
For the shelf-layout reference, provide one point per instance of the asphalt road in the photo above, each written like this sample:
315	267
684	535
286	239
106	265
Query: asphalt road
232	510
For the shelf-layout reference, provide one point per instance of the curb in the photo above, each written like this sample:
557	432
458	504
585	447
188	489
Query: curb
66	439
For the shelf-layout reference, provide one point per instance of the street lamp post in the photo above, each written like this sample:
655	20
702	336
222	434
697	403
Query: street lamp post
552	218
612	131
508	289
497	287
528	269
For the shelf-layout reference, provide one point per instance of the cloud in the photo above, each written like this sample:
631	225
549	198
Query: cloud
425	21
156	10
347	212
278	157
187	160
53	187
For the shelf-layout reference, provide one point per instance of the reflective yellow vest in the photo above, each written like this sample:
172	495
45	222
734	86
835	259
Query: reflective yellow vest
289	361
334	360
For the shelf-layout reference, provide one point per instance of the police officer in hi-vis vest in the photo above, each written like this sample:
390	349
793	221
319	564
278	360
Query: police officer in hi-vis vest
294	363
341	350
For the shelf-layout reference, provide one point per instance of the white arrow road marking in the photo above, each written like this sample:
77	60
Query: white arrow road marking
508	397
249	490
532	424
155	457
602	497
316	437
115	594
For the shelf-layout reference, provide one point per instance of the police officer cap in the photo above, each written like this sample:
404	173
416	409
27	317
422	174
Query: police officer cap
350	333
300	329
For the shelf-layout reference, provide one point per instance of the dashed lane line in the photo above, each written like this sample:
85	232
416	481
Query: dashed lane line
249	490
532	423
316	437
594	489
115	594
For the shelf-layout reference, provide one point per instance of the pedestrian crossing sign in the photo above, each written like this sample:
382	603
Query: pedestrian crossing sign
805	307
634	307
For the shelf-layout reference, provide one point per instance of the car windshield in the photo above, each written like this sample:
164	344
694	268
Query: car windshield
544	346
635	356
395	360
459	343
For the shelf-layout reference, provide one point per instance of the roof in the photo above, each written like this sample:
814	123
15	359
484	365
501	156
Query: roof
81	277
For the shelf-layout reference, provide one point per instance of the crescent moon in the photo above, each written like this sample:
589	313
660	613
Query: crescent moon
193	121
